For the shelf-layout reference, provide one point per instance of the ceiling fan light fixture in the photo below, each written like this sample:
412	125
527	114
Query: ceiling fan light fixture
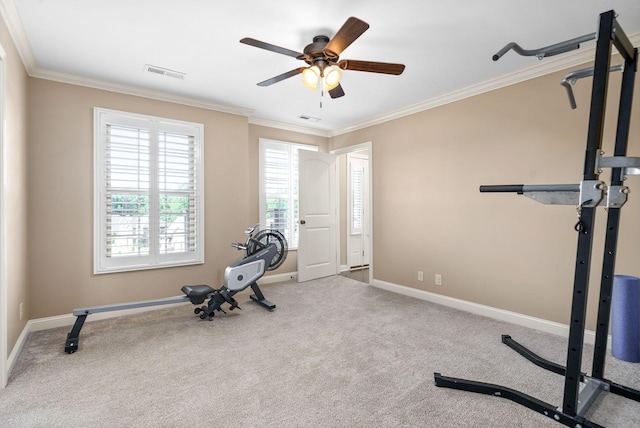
331	79
311	77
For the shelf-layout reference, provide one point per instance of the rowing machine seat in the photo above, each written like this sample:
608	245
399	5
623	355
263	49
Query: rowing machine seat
197	293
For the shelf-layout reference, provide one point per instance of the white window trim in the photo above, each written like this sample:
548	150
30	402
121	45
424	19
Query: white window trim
104	264
263	144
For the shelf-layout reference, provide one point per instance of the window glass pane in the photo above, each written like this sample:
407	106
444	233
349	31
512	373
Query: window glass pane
177	223
127	225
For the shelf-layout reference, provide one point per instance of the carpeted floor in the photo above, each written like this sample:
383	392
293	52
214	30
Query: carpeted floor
335	353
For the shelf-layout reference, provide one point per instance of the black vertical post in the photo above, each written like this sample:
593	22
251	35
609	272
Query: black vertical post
613	219
585	237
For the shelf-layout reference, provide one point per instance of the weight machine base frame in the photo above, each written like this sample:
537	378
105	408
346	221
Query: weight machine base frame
521	398
588	394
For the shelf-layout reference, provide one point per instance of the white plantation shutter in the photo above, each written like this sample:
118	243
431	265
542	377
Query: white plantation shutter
148	192
177	193
357	189
279	187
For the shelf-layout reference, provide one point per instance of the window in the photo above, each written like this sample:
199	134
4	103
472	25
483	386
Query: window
279	187
148	196
356	177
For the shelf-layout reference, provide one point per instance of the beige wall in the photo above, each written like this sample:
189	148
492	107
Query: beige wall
15	164
501	250
61	191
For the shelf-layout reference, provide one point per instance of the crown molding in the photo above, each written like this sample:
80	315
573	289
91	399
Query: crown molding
137	91
547	66
288	127
16	31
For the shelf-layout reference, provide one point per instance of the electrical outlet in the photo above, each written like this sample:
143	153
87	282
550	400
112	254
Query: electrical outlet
438	279
420	275
21	310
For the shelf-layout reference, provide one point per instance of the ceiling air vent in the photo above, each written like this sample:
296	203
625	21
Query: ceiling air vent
164	72
309	118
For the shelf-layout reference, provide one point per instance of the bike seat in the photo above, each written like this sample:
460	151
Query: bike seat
197	293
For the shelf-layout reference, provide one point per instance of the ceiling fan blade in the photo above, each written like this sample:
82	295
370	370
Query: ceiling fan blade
281	77
350	30
371	66
273	48
337	92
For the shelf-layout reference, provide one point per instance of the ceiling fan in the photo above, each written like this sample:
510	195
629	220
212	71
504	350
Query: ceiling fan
322	56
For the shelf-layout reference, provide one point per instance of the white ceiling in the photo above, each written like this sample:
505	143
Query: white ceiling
446	46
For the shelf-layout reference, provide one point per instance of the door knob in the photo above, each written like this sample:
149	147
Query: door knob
303	222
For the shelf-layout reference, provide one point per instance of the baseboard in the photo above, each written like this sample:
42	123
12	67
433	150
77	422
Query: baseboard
488	311
280	277
67	320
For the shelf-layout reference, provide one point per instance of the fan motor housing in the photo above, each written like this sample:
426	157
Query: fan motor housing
316	51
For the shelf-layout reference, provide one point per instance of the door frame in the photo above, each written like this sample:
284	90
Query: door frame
4	307
356	148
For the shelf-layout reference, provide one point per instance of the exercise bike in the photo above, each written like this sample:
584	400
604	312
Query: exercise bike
265	251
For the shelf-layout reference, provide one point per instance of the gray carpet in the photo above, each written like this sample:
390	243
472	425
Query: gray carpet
335	353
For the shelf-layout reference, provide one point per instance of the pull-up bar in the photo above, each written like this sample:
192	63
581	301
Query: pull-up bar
546	51
572	77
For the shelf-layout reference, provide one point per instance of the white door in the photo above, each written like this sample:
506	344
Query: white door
358	210
318	227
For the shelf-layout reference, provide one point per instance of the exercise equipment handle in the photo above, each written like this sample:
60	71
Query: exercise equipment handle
525	188
573	76
550	50
502	188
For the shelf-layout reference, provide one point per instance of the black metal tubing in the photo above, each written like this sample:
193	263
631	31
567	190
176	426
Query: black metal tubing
578	312
577	321
499	188
532	403
73	336
598	95
614	388
546	51
525	188
622	42
623	391
613	220
258	297
535	358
